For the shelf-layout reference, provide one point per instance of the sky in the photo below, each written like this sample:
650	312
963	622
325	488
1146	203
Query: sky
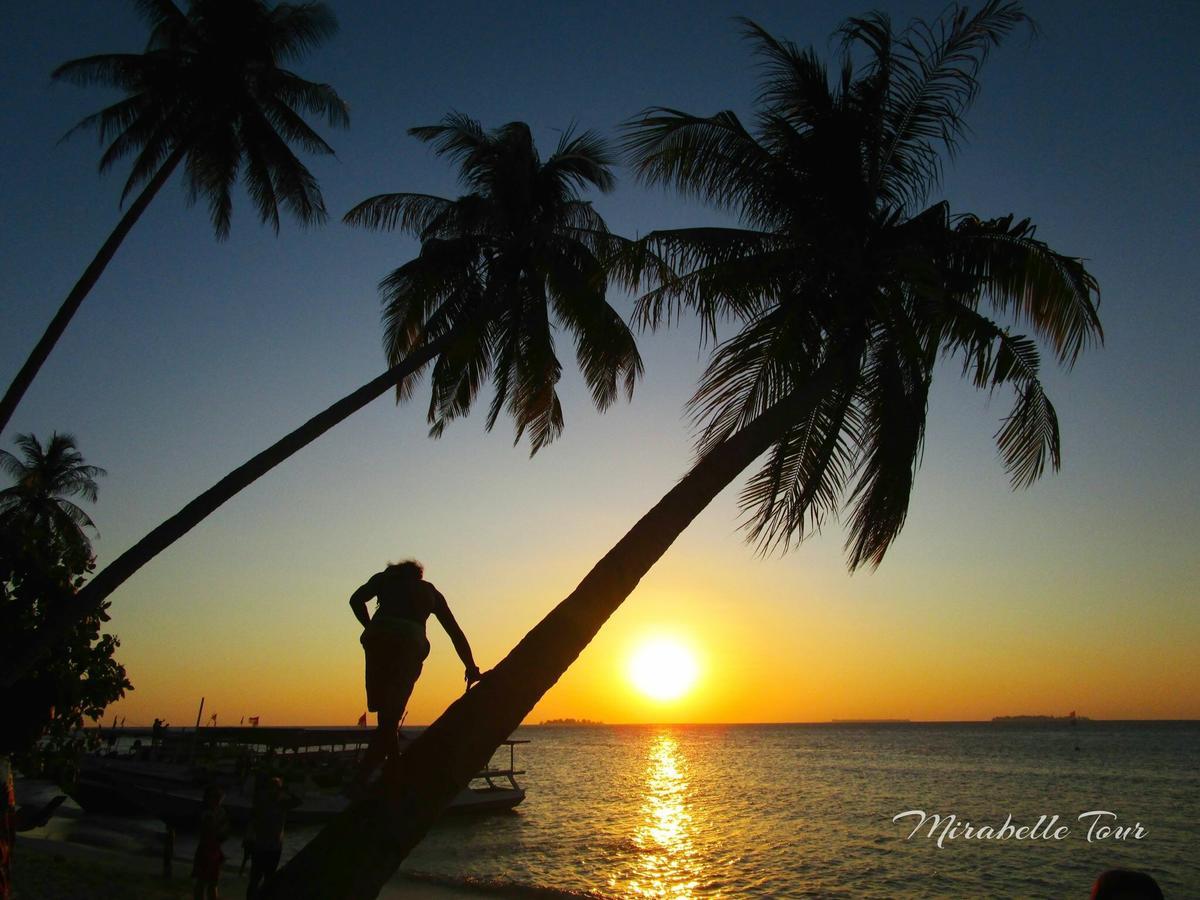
191	355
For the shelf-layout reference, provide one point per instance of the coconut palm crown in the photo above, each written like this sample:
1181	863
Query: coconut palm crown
842	265
500	266
209	92
212	84
44	478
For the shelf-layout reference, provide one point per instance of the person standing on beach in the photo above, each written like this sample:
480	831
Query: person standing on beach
267	819
214	828
395	646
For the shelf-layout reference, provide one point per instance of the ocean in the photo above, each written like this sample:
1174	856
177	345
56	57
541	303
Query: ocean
809	811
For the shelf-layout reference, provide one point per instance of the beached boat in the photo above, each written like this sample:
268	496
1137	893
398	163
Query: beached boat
165	776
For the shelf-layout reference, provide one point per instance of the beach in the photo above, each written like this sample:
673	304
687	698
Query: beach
45	869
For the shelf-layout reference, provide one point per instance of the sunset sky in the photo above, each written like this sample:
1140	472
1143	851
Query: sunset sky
190	355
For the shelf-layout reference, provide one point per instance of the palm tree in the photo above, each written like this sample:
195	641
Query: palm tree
497	266
210	92
849	289
43	480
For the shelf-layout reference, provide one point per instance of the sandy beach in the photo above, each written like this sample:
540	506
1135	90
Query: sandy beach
45	869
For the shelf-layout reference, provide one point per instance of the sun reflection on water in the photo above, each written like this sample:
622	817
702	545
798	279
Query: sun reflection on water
666	863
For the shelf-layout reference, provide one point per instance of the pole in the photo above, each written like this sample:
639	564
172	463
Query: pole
196	733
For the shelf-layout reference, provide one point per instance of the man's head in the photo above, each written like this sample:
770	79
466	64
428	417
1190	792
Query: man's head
1125	884
409	568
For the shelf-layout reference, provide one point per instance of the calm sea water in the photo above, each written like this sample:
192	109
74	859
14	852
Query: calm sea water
806	811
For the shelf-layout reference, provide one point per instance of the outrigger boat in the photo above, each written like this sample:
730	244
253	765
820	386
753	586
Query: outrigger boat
165	778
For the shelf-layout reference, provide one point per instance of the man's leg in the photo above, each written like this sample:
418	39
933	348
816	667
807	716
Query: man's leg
383	744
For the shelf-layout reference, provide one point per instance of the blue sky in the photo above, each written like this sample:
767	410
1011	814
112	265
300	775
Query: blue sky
191	354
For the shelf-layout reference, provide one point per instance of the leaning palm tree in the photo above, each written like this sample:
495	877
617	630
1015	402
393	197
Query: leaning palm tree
497	266
44	478
849	287
209	92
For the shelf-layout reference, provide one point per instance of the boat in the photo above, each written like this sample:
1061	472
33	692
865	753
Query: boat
166	777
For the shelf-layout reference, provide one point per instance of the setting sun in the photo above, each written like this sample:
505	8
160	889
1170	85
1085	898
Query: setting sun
663	669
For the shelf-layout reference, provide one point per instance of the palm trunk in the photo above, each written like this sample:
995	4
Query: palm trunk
83	286
358	852
115	573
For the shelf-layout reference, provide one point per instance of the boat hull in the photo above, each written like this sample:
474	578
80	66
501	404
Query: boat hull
175	796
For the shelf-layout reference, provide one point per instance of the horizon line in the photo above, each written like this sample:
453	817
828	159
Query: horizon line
1050	720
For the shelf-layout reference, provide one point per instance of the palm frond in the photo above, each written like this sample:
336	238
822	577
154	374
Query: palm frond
795	82
932	72
457	136
747	374
714	159
805	476
412	214
459	374
160	13
16	469
894	396
605	347
296	29
126	71
1029	437
730	272
312	97
580	162
291	126
211	170
533	399
1017	273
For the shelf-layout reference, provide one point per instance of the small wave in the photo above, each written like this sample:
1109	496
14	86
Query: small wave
498	887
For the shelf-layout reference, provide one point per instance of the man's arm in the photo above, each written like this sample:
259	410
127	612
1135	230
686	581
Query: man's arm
441	609
358	602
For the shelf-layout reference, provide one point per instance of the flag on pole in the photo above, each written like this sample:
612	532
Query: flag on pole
213	721
254	721
362	720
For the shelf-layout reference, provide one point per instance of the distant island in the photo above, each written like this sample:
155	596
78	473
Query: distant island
570	722
1036	720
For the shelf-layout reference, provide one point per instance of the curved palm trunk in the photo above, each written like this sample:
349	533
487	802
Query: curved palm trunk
115	573
83	286
359	851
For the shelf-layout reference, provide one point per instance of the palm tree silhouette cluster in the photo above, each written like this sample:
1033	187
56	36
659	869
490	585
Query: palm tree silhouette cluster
847	281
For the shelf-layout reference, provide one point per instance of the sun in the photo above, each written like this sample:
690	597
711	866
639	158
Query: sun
663	669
